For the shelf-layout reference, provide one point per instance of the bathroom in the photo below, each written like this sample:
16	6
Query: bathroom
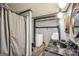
52	29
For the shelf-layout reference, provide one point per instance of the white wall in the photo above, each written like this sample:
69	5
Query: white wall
47	32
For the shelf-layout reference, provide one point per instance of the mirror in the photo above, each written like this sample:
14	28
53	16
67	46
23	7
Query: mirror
76	25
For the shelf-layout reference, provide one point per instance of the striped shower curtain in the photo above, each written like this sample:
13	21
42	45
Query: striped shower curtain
12	33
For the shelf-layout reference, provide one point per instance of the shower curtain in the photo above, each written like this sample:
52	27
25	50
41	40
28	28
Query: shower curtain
12	33
4	33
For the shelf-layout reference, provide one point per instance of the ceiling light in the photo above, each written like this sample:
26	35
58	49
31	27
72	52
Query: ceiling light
62	5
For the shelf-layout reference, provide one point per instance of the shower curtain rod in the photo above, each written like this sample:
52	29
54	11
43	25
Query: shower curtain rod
25	11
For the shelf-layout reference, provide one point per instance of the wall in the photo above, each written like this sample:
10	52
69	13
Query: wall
47	32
